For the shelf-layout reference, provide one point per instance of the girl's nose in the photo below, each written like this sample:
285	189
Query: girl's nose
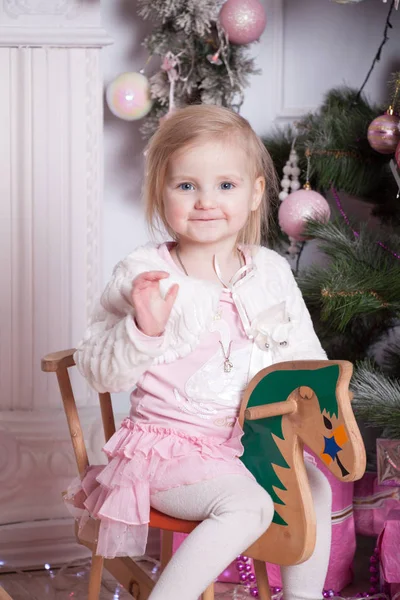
205	200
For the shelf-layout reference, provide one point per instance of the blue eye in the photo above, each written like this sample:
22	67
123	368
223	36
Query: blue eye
186	187
227	186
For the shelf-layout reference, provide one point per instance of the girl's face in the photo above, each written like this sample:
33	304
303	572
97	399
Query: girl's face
210	191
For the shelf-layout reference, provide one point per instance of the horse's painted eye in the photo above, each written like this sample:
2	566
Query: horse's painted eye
327	423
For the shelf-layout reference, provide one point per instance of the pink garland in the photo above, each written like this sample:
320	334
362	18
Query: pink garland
339	205
247	578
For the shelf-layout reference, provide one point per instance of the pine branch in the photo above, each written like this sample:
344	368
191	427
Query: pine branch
361	279
394	87
191	16
376	398
189	30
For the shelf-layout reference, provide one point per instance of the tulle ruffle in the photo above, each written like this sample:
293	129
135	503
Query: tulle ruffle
143	460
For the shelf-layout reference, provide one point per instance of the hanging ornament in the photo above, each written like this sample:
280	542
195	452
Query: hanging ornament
214	59
242	20
171	65
298	207
384	132
291	174
290	183
397	155
128	96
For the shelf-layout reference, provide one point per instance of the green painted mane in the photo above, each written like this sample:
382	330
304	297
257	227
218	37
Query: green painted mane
260	449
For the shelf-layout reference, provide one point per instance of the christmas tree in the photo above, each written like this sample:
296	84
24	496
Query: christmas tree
355	299
203	60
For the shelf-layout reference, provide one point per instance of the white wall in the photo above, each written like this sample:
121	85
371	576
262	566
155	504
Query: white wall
308	47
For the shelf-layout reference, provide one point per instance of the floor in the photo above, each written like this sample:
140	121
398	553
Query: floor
70	582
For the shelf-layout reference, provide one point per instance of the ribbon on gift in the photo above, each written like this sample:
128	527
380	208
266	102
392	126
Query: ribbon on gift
372	504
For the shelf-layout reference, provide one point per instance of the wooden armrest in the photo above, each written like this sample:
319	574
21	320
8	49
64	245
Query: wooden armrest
58	360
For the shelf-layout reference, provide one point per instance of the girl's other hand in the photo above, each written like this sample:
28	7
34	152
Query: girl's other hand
151	309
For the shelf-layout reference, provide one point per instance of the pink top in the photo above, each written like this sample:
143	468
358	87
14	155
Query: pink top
195	394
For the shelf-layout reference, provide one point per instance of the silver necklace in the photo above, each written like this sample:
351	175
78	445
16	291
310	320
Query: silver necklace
228	366
178	256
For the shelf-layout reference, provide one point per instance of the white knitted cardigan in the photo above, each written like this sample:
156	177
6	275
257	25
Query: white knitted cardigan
114	354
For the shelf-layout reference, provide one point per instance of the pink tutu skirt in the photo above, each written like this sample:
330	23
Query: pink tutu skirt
143	460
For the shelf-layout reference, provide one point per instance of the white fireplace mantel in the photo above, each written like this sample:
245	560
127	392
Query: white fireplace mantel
51	183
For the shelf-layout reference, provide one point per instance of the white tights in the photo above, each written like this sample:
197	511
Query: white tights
235	511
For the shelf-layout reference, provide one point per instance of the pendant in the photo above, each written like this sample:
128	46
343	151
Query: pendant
228	366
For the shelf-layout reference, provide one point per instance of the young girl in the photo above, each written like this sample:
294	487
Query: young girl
189	323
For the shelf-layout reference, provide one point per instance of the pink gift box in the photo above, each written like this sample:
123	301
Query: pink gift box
389	543
340	572
372	504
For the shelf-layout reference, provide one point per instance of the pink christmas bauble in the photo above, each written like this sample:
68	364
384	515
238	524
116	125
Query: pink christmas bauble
243	20
298	207
384	133
128	96
397	155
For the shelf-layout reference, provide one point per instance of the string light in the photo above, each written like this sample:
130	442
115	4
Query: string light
377	57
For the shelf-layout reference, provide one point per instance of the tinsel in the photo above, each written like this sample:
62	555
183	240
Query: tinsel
189	29
326	293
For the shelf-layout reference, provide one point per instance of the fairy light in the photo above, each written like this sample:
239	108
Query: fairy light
116	593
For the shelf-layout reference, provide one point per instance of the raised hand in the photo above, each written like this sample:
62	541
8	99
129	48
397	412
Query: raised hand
151	309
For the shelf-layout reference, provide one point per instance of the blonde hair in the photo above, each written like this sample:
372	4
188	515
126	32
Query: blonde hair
186	126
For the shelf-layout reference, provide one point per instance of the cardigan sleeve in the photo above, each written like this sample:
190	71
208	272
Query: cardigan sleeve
304	343
113	353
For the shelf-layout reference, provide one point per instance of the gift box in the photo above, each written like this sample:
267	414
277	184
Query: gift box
372	503
340	571
388	458
388	544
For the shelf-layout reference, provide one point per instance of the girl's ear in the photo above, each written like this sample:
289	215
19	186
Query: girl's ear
258	192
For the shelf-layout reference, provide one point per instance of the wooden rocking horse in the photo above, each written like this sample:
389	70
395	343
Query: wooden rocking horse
285	407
